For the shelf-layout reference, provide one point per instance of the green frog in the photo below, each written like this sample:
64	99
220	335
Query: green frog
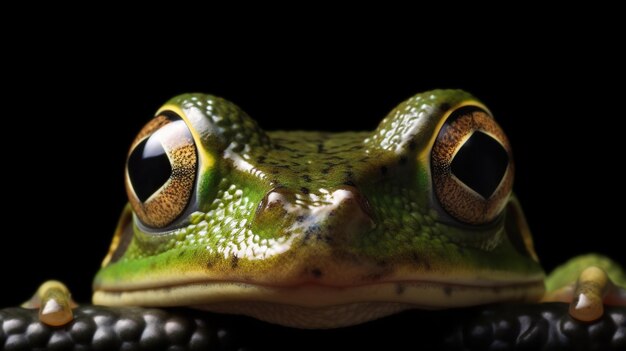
324	230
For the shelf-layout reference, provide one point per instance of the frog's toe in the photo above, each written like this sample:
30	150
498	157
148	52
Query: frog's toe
589	294
54	301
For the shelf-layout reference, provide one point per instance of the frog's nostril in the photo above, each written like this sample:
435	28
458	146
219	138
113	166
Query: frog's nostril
352	195
273	213
354	212
276	200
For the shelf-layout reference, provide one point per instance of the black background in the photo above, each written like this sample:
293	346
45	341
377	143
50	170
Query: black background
72	112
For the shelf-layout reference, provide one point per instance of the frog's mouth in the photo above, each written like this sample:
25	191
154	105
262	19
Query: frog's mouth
318	306
335	295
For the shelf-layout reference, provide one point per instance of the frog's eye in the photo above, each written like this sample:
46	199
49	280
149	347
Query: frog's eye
161	170
472	166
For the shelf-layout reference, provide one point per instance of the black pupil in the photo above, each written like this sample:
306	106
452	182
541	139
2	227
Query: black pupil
480	163
148	168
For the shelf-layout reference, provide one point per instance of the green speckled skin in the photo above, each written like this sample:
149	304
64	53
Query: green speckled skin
340	209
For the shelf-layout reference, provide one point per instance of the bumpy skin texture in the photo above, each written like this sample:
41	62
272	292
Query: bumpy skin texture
349	209
499	327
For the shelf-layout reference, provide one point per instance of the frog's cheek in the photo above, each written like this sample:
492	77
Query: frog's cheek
517	229
122	237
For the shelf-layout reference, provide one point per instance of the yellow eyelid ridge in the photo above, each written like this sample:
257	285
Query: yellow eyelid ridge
207	161
424	156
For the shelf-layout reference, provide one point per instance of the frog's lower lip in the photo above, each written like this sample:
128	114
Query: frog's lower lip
246	298
433	294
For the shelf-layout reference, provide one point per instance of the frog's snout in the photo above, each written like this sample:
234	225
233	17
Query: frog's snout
333	216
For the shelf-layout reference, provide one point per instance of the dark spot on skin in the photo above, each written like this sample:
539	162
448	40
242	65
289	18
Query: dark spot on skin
311	230
400	289
412	146
307	178
305	191
421	262
383	170
447	290
234	261
402	160
316	272
444	106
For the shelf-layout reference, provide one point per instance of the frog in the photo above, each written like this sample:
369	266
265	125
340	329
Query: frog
324	230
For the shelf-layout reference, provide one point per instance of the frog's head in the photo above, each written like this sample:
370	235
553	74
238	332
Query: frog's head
319	229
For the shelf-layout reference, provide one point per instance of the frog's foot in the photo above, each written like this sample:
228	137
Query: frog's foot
587	283
588	295
54	302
